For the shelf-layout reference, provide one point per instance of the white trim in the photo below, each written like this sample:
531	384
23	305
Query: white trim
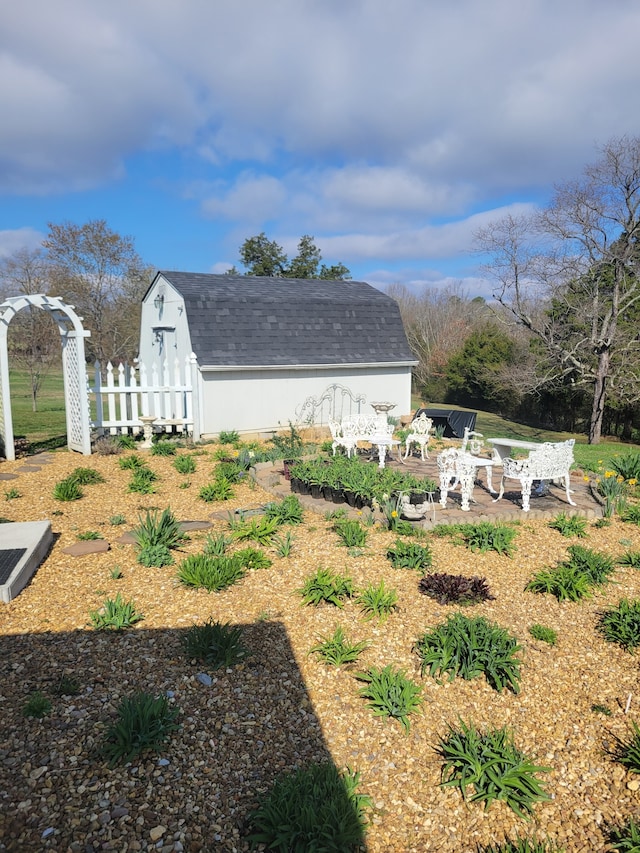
339	364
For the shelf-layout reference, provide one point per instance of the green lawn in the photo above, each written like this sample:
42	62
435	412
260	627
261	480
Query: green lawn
49	421
590	457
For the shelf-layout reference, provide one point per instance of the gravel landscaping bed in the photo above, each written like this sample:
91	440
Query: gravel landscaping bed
282	708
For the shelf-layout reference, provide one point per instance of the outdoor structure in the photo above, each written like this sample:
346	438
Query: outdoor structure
271	350
76	399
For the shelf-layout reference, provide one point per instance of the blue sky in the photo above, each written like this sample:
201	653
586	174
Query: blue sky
389	131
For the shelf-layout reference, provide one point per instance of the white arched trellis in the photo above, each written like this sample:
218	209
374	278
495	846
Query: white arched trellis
76	397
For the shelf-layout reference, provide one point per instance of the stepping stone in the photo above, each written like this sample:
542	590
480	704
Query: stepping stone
194	525
126	539
27	468
88	546
8	476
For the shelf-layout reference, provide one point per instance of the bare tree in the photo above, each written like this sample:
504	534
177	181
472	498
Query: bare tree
102	275
579	260
437	323
33	340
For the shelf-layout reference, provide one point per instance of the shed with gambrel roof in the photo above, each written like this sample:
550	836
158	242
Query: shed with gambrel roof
266	346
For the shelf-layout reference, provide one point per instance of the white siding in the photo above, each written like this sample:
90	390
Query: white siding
164	331
259	400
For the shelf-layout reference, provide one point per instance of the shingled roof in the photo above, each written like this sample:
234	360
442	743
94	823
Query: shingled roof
252	320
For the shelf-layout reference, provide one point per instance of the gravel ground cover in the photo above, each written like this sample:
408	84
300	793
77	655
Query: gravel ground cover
282	707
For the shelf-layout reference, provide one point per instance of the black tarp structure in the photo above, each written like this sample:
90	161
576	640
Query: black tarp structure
452	420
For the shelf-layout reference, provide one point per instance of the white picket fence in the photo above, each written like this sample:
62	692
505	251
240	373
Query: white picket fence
134	391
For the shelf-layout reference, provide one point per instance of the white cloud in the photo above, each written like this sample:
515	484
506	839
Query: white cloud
12	240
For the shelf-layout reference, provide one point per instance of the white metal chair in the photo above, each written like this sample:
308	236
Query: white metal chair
420	428
457	467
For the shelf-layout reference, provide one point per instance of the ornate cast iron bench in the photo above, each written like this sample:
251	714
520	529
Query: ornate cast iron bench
374	429
420	428
549	461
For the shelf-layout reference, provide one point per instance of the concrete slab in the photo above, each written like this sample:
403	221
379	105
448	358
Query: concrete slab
26	544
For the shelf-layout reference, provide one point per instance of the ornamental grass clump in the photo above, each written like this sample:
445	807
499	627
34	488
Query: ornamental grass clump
315	809
491	767
216	644
574	578
389	693
156	534
625	838
142	481
219	489
523	845
468	647
569	525
287	511
627	752
410	555
544	634
185	464
377	602
144	724
629	558
116	614
67	490
37	705
163	448
253	559
621	624
351	533
326	587
211	573
338	650
86	476
260	530
455	589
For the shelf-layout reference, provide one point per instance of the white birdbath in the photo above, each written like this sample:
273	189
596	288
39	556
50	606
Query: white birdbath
147	422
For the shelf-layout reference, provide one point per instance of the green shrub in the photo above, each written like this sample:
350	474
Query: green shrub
37	705
67	490
229	470
216	644
287	511
625	838
163	448
337	650
351	533
210	573
377	602
90	535
455	589
218	490
546	635
468	647
325	586
185	464
115	614
491	766
144	724
389	693
229	437
569	525
86	476
621	624
315	808
485	537
410	555
155	555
